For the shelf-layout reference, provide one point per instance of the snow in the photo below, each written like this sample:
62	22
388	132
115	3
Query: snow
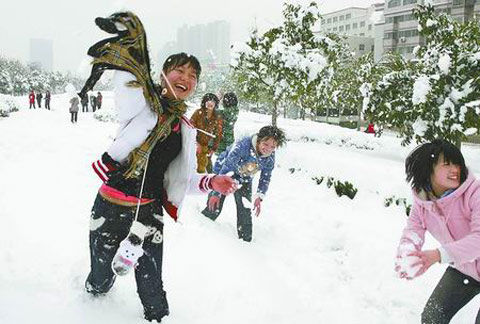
444	63
420	127
421	88
315	257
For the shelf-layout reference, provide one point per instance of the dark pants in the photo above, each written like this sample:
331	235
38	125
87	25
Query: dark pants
85	108
32	104
244	214
453	291
47	104
110	224
74	117
39	101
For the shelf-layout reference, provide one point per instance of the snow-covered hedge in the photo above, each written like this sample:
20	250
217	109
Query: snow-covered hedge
7	105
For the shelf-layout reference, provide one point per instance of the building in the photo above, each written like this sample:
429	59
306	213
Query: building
400	27
210	43
41	53
356	23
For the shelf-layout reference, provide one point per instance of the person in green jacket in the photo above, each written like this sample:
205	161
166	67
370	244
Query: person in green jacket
230	115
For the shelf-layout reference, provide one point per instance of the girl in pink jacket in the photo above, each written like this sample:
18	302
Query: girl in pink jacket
447	205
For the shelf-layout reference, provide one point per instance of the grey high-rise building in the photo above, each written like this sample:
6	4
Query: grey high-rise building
210	43
41	53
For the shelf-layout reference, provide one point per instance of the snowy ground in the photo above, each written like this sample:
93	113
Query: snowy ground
315	258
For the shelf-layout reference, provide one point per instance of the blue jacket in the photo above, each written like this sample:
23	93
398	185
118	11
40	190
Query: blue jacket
242	158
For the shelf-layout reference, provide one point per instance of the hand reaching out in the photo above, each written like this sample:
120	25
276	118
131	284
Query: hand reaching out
224	184
257	205
213	203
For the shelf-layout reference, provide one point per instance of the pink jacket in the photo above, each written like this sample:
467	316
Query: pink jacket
454	221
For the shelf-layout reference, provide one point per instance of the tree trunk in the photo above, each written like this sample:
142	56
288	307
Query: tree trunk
359	110
274	114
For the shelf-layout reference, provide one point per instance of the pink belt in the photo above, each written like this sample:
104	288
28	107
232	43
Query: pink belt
119	198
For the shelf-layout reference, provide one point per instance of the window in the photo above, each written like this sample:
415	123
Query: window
362	24
370	27
329	20
394	3
354	26
340	28
361	47
347	27
362	34
334	29
335	19
342	17
407	2
323	21
348	16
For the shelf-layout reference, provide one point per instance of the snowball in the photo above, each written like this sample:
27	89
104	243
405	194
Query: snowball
406	266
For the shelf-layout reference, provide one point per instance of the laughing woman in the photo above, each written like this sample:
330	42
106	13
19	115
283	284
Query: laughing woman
447	205
149	167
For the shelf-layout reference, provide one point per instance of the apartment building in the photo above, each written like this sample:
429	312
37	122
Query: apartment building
356	23
400	27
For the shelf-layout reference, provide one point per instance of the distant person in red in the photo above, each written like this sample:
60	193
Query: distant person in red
31	98
370	129
99	100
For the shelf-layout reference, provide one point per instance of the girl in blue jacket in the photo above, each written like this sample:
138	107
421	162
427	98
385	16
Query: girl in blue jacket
244	158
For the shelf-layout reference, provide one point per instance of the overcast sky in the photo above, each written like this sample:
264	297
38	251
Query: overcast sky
70	24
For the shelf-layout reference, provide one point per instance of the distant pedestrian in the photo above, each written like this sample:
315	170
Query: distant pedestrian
31	98
47	100
74	109
99	100
93	102
84	102
39	99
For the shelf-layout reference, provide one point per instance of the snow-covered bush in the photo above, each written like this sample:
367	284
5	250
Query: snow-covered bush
7	105
436	93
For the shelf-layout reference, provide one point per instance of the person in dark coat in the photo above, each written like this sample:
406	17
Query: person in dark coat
99	100
84	102
47	99
39	99
93	102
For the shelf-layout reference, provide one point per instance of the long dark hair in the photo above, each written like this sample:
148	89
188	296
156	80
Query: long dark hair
420	162
210	97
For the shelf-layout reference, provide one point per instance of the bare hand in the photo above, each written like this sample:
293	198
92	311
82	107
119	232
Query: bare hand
213	203
427	258
257	205
224	184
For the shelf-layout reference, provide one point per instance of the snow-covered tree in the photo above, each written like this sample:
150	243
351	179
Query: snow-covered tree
436	93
